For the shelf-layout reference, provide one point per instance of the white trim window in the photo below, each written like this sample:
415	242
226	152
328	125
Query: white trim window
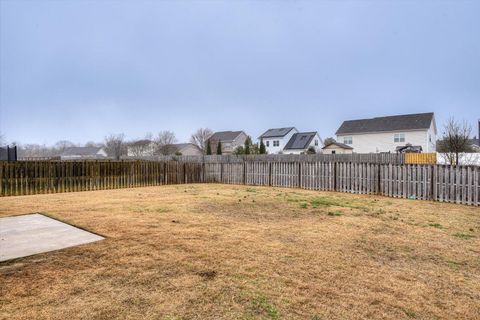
316	143
348	140
276	143
267	143
399	137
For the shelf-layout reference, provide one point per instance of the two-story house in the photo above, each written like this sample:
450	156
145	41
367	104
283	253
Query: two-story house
303	142
389	134
275	140
230	140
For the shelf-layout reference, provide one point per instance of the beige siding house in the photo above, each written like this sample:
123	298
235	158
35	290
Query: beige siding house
337	148
187	149
387	134
230	140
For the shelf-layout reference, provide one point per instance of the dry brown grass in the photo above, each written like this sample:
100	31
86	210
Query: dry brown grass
236	252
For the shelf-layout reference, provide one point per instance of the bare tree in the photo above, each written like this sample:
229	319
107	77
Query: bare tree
164	143
63	144
115	145
329	140
35	150
93	144
200	137
142	147
455	140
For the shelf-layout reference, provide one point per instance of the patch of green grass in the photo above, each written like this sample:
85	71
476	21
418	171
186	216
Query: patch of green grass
464	236
455	264
251	190
262	305
335	213
326	202
436	225
380	211
303	205
333	202
410	313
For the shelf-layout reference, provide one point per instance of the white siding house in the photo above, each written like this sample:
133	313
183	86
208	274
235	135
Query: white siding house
386	134
301	142
275	140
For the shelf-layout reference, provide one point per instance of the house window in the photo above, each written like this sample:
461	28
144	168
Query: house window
276	143
333	152
267	143
316	142
399	137
347	140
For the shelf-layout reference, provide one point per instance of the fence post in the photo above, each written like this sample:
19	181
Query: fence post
270	173
221	172
245	173
335	176
165	172
379	179
185	173
299	174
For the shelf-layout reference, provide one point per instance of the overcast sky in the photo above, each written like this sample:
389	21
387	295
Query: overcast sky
79	70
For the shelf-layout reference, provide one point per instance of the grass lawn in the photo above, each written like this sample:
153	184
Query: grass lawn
237	252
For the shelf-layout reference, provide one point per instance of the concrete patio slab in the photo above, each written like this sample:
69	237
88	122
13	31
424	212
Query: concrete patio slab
25	235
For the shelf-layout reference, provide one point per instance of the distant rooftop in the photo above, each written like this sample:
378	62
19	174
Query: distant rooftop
300	140
81	151
338	144
416	121
278	132
225	135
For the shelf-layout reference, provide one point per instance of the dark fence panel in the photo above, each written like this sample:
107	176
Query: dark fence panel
393	158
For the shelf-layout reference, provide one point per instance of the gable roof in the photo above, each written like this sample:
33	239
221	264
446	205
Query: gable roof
338	144
181	146
143	142
225	135
416	121
278	132
475	142
300	140
81	151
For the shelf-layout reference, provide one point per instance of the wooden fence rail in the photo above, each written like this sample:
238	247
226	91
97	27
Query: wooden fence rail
456	184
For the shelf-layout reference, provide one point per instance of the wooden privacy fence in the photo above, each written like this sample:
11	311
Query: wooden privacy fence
457	184
394	158
420	158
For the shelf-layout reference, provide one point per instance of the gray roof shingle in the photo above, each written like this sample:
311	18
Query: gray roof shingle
300	140
278	132
416	121
225	135
81	151
338	144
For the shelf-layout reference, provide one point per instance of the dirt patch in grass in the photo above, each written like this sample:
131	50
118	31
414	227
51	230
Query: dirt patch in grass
238	252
